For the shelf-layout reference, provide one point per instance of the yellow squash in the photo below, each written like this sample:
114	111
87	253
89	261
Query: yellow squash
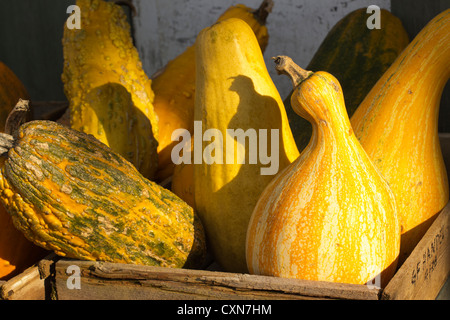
330	216
174	87
397	124
234	91
109	93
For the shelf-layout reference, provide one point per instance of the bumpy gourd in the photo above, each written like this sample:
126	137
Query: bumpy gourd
99	54
330	216
11	90
397	124
234	91
357	57
68	192
174	87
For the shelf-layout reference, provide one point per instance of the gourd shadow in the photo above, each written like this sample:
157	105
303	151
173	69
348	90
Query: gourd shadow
300	127
253	111
120	118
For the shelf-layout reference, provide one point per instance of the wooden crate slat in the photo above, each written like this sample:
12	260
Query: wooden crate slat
425	271
98	277
25	286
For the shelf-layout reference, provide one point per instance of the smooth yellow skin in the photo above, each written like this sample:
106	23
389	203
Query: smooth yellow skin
234	90
102	53
174	90
397	124
329	216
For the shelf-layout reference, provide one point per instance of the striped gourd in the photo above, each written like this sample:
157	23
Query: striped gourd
330	216
70	193
397	124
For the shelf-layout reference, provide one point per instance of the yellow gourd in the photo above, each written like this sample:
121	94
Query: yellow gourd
397	124
234	91
330	216
174	87
109	93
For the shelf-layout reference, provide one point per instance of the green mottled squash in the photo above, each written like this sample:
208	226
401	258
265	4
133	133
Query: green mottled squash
357	57
70	193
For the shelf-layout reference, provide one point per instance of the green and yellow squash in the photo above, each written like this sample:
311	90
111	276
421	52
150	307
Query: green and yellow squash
68	192
357	57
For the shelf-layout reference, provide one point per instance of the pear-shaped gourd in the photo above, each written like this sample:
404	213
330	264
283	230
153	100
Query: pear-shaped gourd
397	124
329	216
246	136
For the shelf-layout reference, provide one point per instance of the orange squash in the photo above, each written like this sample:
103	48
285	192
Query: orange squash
11	90
329	216
397	124
16	252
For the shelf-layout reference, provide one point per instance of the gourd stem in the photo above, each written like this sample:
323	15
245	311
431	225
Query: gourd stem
263	11
17	117
285	65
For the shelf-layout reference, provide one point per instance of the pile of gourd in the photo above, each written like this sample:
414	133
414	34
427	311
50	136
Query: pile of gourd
360	173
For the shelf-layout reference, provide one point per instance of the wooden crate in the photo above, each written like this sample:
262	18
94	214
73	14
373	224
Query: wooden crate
421	276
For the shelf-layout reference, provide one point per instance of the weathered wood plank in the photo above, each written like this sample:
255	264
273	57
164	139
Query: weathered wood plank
32	284
25	286
425	271
100	280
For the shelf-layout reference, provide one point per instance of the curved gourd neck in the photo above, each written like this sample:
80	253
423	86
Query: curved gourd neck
415	81
319	99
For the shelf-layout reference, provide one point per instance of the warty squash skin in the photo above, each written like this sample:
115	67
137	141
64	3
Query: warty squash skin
11	90
329	216
70	193
99	54
397	124
234	91
357	57
174	86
